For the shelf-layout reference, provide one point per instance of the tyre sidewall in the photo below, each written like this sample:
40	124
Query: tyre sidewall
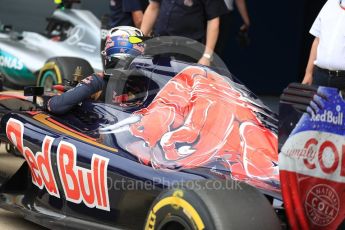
64	69
49	74
179	204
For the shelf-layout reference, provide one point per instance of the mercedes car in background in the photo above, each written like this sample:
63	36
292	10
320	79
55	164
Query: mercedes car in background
72	39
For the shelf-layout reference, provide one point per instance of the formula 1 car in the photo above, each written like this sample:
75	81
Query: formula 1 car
189	148
312	157
72	38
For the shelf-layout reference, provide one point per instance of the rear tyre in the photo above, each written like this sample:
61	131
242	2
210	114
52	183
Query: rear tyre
57	70
221	205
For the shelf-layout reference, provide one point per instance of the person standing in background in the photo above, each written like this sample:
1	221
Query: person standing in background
127	12
225	21
194	19
326	65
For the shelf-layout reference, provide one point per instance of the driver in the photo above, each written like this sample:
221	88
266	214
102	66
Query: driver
118	52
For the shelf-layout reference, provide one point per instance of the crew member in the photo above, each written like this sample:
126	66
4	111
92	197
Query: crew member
326	65
127	12
194	19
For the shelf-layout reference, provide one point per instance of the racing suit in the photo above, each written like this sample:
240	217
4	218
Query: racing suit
63	103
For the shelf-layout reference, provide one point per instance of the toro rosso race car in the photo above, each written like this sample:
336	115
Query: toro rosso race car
192	149
72	38
312	157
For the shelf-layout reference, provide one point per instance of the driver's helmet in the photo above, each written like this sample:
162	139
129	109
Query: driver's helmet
122	45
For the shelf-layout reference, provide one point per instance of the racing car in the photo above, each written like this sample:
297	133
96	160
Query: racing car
311	159
191	148
72	39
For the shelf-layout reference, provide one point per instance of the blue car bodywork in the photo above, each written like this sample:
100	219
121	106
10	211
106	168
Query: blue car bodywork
64	173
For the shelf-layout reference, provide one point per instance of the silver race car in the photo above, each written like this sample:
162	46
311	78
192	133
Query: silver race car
72	39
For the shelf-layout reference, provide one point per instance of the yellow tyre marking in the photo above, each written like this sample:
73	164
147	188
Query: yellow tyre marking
174	201
50	66
177	193
151	221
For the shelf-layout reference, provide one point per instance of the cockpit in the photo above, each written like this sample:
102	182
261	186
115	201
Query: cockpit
130	89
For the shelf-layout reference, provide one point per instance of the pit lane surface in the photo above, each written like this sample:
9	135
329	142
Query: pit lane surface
12	221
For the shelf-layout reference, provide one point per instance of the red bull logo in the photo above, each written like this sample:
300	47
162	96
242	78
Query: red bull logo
80	185
199	117
330	117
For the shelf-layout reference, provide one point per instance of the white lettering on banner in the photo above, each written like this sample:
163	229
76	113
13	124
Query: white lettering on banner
316	154
11	63
329	117
79	184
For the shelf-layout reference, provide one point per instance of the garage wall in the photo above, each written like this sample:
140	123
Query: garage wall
279	37
30	14
271	60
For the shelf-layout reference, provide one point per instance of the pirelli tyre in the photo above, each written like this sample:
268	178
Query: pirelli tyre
57	70
220	205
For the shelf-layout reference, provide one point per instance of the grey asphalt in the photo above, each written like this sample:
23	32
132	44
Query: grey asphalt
12	221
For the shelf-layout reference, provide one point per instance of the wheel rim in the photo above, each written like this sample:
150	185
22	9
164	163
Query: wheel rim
174	222
48	80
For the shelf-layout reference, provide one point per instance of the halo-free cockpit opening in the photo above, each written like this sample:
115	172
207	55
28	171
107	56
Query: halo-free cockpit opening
130	89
